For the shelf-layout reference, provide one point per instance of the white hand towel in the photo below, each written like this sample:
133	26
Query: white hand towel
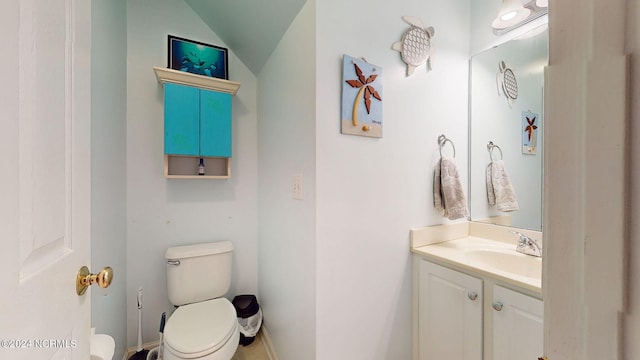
448	196
499	189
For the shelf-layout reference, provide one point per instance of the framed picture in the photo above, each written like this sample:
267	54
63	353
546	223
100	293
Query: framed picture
361	98
530	124
198	58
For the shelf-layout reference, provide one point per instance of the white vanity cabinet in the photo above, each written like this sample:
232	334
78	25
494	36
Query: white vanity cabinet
449	314
517	325
465	317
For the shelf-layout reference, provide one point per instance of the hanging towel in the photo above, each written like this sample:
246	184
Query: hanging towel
448	197
499	189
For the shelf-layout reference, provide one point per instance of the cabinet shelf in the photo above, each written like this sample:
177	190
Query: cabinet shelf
186	167
165	75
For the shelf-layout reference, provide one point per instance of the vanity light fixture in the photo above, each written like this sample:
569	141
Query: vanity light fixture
511	13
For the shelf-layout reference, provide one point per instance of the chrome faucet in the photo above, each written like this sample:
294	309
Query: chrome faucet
527	245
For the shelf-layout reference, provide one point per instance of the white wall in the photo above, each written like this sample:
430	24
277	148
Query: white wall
286	145
370	192
108	166
161	212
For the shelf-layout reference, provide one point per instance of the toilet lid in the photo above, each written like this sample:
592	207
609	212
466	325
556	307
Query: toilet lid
201	327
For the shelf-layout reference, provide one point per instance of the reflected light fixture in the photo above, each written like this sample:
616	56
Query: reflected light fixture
542	3
511	13
533	32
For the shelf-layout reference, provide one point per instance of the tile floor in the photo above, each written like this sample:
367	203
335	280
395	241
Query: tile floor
254	351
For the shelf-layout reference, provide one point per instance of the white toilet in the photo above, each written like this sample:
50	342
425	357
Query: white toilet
204	326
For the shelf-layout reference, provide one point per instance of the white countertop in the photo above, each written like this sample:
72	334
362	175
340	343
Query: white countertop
488	258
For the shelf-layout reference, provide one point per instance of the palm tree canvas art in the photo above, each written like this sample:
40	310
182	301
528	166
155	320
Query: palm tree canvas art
530	127
361	98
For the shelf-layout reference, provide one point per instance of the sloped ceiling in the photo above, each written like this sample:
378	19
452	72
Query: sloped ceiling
250	28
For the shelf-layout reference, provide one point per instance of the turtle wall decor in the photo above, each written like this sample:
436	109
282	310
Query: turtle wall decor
506	82
415	47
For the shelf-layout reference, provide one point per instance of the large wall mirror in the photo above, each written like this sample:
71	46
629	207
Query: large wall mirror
506	109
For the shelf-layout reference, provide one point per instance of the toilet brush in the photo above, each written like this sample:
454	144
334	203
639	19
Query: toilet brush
141	353
161	345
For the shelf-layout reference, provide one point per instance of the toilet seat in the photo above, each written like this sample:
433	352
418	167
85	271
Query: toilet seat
196	330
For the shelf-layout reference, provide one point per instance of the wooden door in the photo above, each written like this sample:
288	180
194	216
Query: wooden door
45	171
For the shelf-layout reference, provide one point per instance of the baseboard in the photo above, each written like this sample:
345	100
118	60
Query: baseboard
146	346
268	345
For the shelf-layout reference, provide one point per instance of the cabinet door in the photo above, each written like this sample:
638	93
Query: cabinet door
181	120
517	326
450	314
215	123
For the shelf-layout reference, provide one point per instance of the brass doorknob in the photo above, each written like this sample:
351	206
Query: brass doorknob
85	278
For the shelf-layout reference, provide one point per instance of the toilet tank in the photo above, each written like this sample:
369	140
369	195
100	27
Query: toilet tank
198	272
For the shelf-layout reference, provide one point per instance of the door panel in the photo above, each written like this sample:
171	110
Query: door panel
215	126
181	120
45	226
517	327
450	322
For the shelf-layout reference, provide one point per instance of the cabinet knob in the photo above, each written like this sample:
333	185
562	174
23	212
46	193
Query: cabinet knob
497	306
472	295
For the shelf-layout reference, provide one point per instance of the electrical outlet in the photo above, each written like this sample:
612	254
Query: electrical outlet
297	187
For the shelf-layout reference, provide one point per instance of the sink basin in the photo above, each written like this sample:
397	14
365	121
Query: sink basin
508	261
495	259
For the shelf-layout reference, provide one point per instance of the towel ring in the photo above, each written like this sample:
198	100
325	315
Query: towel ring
443	140
490	147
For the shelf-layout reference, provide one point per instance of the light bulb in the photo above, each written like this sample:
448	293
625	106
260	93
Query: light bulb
508	16
511	13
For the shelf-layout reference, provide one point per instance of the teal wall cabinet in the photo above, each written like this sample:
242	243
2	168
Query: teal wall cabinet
197	124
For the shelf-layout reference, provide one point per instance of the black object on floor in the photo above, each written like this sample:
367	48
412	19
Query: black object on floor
139	355
246	306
